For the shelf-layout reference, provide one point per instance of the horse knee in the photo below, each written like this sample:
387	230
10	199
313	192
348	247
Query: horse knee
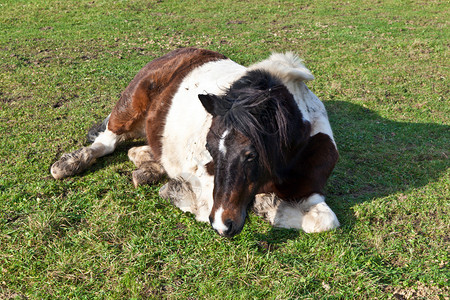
140	155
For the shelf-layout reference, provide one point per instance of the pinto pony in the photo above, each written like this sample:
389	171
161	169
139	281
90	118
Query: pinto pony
229	138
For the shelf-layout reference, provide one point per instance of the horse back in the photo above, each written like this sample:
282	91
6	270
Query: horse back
145	102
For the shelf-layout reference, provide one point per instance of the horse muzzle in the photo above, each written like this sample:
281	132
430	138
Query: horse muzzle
225	225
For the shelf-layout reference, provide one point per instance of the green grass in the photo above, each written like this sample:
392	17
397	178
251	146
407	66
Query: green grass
382	70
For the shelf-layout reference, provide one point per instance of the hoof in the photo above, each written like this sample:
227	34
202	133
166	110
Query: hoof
145	176
72	163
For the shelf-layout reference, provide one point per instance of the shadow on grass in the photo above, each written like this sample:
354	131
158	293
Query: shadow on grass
120	155
378	157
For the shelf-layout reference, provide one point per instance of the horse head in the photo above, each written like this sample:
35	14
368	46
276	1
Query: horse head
256	132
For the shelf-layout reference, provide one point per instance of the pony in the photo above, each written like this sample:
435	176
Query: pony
229	138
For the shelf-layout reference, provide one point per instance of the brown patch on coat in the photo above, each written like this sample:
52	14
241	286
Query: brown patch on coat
149	95
210	168
310	171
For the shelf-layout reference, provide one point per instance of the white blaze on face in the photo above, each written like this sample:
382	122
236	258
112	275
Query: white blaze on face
218	223
222	147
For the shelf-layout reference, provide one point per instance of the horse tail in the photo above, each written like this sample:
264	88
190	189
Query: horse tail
96	129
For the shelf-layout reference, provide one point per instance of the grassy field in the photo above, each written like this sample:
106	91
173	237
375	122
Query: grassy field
382	70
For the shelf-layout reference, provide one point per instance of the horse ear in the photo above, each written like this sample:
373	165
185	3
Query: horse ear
209	102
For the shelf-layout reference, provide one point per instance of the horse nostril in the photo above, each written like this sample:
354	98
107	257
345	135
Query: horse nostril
230	226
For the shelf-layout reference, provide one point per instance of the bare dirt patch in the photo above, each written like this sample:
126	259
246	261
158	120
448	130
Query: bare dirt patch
421	291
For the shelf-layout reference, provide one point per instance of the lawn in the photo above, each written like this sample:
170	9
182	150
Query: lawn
382	70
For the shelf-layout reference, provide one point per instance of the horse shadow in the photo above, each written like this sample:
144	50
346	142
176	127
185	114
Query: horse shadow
378	157
118	157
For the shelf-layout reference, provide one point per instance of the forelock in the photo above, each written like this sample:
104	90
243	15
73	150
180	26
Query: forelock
260	107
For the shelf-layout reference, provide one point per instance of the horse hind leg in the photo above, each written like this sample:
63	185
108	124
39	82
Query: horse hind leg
148	169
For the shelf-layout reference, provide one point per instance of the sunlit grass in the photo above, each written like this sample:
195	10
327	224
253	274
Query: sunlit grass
381	68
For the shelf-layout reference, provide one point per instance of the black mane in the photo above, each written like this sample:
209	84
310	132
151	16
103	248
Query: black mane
262	108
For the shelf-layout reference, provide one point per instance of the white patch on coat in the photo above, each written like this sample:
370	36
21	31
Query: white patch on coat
105	143
222	147
187	124
217	224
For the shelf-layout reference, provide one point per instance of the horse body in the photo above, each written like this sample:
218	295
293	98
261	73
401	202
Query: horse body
181	104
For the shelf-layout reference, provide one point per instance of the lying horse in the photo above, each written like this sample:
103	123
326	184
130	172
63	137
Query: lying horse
229	138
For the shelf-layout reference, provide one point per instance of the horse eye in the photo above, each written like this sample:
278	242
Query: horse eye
250	156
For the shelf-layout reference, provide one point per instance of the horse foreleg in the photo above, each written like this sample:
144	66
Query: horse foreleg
310	215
